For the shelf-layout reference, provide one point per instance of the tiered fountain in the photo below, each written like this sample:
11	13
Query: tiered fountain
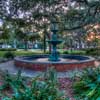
54	56
59	62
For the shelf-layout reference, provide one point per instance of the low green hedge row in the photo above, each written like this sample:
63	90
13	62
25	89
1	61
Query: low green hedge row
9	55
93	51
75	52
10	52
8	49
88	51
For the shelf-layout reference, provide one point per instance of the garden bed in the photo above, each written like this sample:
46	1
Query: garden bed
7	90
83	85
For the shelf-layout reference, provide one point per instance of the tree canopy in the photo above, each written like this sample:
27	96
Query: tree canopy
72	14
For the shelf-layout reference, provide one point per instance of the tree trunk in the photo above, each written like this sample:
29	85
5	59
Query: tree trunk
50	47
26	45
44	43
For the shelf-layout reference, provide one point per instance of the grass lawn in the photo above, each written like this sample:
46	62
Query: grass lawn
21	52
31	52
72	51
2	53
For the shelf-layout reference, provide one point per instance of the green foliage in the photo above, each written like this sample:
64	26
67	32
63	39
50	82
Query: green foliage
27	53
9	55
74	52
72	12
21	52
88	87
19	34
12	81
77	18
88	51
46	89
65	52
7	49
93	51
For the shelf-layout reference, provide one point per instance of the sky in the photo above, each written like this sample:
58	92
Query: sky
1	22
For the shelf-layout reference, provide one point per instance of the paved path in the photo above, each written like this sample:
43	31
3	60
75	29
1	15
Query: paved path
13	69
25	72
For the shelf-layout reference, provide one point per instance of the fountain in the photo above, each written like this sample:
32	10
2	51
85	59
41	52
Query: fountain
60	62
54	56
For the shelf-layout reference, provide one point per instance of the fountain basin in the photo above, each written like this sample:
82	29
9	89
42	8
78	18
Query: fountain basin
41	63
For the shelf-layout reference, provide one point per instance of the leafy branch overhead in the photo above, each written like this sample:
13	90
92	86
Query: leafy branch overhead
73	14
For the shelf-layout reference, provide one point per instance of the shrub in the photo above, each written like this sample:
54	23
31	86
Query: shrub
65	52
7	49
9	55
46	89
88	51
74	52
92	51
77	53
88	87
